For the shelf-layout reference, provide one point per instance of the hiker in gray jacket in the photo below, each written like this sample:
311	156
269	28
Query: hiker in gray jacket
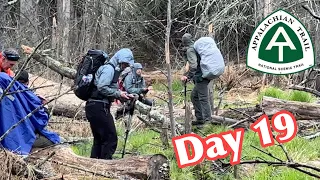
200	92
98	106
134	83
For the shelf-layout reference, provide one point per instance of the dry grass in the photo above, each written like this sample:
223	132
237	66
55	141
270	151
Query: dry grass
13	167
66	127
238	76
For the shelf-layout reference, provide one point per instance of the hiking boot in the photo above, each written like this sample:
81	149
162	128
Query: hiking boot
198	122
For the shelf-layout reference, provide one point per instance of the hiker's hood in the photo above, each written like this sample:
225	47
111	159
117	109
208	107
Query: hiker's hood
124	55
136	66
187	39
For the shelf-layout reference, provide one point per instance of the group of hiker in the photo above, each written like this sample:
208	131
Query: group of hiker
101	82
106	78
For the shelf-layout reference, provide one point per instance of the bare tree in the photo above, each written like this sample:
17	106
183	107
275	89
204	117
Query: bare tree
167	48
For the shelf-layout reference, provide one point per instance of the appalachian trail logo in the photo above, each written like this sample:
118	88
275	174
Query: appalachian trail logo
280	45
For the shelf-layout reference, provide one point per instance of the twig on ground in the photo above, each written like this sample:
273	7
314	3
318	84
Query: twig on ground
162	99
287	164
245	120
45	160
267	153
250	117
237	123
149	125
81	169
283	149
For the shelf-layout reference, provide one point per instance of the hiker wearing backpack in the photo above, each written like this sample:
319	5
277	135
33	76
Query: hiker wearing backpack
134	83
98	105
205	64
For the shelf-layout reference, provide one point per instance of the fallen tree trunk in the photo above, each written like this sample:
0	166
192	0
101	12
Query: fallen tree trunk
301	110
53	64
67	110
65	161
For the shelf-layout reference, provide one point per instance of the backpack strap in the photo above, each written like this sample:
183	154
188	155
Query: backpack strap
96	94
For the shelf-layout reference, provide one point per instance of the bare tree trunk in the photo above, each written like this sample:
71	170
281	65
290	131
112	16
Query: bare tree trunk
29	21
64	26
167	50
54	41
266	11
260	4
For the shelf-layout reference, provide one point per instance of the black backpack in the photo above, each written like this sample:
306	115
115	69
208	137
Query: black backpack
84	80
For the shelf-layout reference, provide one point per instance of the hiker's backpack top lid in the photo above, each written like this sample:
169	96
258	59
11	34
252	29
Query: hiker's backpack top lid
84	80
211	60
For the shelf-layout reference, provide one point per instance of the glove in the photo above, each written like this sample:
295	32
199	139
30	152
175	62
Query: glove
145	91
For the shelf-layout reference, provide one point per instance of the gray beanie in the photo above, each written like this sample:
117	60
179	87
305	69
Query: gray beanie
137	66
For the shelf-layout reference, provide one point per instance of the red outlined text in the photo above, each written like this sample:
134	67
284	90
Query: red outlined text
191	149
212	147
282	122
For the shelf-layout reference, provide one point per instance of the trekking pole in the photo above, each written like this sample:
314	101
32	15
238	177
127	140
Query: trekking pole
128	124
185	94
187	120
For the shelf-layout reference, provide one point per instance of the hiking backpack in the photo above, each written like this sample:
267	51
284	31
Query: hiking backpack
211	60
123	75
84	80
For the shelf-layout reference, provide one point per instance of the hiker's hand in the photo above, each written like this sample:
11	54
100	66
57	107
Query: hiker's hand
43	100
145	90
150	88
124	94
130	96
184	78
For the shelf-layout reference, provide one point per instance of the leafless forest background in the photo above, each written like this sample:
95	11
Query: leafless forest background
74	26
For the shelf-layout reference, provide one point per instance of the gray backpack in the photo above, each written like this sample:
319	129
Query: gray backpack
211	60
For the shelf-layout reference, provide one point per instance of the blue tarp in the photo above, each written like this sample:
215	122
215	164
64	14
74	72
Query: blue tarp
15	107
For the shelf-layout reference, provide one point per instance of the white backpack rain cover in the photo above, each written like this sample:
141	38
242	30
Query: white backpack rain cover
211	63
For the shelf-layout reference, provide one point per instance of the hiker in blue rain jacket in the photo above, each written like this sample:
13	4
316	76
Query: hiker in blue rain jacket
134	83
31	133
98	106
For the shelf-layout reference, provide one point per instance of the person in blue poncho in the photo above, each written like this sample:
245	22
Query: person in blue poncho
15	107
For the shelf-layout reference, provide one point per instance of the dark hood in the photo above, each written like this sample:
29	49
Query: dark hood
187	40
